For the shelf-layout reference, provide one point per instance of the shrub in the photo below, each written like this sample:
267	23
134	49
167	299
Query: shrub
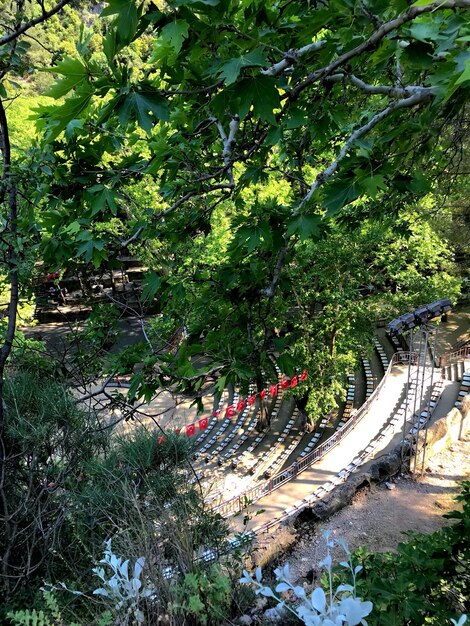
339	608
71	484
203	597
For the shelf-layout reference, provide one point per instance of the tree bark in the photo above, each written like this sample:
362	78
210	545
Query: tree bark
8	194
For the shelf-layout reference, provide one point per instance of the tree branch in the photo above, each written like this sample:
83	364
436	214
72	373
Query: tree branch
421	95
375	39
228	142
34	22
387	90
291	57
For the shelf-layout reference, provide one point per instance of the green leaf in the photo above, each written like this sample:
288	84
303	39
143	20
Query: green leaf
170	41
420	184
286	363
127	17
424	31
151	284
372	184
231	69
75	74
260	92
138	104
338	194
465	75
100	198
57	118
304	225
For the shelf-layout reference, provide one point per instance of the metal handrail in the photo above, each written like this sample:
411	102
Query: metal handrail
237	503
459	354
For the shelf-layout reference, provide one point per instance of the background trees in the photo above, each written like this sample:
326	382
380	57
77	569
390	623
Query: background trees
255	130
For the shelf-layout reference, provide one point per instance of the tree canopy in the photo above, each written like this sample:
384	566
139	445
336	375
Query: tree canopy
269	161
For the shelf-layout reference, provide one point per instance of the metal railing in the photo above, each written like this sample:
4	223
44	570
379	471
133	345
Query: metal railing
455	355
238	503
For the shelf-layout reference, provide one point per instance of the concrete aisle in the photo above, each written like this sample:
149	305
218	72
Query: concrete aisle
271	506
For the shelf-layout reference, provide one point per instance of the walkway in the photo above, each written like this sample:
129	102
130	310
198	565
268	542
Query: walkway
273	505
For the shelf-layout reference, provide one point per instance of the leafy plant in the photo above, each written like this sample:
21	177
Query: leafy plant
125	592
426	580
341	607
51	616
203	595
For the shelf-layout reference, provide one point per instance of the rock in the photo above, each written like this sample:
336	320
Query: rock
245	620
390	486
271	615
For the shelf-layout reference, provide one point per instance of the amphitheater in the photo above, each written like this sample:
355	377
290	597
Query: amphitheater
273	474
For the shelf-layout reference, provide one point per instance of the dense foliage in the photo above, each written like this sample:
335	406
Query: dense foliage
68	485
251	138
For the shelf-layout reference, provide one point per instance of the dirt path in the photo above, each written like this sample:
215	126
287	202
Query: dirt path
378	518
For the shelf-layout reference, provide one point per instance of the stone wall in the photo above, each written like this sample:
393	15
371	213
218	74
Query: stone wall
446	430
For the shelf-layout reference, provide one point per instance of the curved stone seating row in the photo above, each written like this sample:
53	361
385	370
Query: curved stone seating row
464	388
350	399
382	354
233	432
395	343
329	485
240	461
212	423
248	427
256	466
275	457
316	436
369	377
422	418
249	424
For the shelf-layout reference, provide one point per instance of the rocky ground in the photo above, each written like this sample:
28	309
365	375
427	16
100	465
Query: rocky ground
378	517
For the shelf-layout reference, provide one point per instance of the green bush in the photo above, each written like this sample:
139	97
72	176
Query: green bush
203	597
71	483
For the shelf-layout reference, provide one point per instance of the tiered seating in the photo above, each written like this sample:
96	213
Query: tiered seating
382	354
282	458
212	422
349	406
395	343
256	465
369	377
420	420
240	461
248	423
311	444
226	440
464	388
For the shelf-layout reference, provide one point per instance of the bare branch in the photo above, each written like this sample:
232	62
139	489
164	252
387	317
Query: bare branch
387	90
45	15
375	39
418	97
291	57
228	142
